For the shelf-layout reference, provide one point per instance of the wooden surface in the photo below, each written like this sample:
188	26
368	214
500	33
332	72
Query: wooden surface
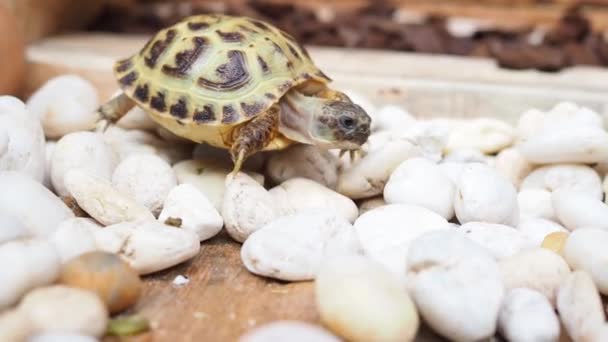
222	300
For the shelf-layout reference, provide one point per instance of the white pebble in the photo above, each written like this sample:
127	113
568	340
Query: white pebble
208	177
75	236
535	230
453	170
61	337
585	249
565	176
294	331
391	118
48	157
370	203
512	165
580	307
306	161
568	144
180	280
82	150
360	301
500	240
247	206
485	196
527	315
65	104
146	178
484	134
367	177
15	326
456	284
105	204
535	203
419	181
538	269
11	228
387	231
35	206
575	210
196	212
465	155
27	264
293	247
148	246
22	142
62	309
299	194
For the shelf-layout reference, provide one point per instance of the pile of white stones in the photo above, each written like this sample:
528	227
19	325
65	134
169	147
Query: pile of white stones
473	226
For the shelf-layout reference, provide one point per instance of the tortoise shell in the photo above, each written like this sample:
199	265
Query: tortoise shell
214	70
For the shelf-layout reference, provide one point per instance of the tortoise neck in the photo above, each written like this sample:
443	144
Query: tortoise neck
297	114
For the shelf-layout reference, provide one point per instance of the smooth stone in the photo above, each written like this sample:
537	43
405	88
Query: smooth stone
500	240
567	144
526	315
565	176
81	150
247	206
391	118
387	232
299	194
15	326
98	198
209	177
367	176
419	181
28	263
580	307
511	164
575	210
64	309
303	161
538	269
465	155
536	229
75	236
11	228
194	210
360	301
61	337
22	142
65	104
444	269
48	157
483	195
484	134
563	114
49	211
293	247
371	203
148	246
535	203
294	331
105	274
585	249
146	178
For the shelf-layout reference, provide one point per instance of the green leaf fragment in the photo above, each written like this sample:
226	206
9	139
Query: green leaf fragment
127	325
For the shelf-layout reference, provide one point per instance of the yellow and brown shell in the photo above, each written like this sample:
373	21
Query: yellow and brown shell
214	70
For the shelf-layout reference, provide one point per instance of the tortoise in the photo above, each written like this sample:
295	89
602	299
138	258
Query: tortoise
236	83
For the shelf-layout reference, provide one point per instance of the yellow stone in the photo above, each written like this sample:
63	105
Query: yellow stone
555	241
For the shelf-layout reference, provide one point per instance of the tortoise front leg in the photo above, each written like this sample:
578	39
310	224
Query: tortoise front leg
254	136
111	111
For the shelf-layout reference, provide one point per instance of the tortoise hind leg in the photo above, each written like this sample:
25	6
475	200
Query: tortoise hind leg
111	111
254	136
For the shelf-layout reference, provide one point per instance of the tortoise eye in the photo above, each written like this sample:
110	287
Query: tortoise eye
347	122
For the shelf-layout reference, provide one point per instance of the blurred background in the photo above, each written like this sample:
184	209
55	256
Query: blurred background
547	35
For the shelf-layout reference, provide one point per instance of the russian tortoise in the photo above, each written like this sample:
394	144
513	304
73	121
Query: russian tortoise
235	83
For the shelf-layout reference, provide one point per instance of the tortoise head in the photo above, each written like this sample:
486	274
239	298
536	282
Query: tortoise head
339	123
